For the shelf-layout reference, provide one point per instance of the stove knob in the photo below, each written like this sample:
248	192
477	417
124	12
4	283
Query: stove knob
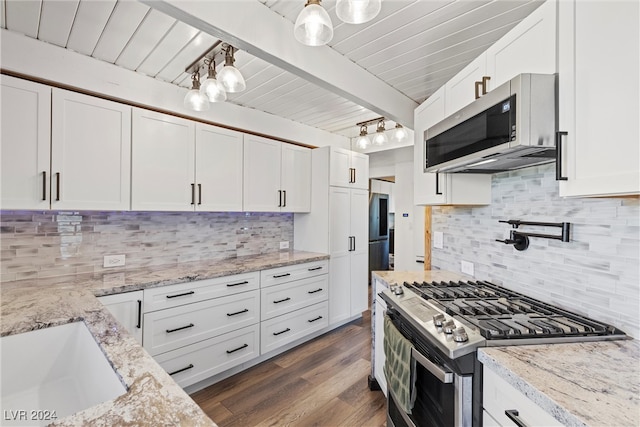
448	327
438	319
399	291
460	335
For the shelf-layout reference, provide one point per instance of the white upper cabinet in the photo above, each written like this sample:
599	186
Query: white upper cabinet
163	162
277	176
349	169
219	157
598	102
25	143
465	86
90	153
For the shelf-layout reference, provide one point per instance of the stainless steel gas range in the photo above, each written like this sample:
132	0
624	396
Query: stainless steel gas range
446	322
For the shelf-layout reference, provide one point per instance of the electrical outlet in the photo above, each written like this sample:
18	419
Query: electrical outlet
438	239
114	260
466	267
284	245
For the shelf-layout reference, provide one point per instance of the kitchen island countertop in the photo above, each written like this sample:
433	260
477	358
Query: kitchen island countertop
152	397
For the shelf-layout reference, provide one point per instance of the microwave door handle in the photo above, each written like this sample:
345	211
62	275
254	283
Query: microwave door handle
442	375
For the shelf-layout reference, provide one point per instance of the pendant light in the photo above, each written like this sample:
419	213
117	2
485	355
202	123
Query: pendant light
211	87
313	26
363	141
400	134
381	137
357	11
230	78
194	100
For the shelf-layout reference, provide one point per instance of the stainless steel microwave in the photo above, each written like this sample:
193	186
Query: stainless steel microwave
511	127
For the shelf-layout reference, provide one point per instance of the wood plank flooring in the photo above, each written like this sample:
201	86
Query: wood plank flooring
320	383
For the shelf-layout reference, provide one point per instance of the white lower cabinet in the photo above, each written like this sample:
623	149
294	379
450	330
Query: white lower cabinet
289	327
281	299
500	398
127	309
196	362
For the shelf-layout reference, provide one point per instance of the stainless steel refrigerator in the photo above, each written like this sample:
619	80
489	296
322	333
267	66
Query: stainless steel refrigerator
378	232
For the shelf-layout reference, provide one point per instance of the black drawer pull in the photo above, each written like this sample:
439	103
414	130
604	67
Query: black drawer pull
182	370
181	295
281	300
315	268
237	349
238	312
237	284
317	290
313	320
190	325
281	332
513	415
277	276
44	185
139	324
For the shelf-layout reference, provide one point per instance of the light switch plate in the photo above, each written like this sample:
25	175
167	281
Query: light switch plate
284	245
466	267
438	239
113	260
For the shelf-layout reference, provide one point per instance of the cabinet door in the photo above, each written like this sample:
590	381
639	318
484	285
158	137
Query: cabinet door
530	47
296	178
90	153
378	350
126	308
339	217
340	164
262	159
360	166
163	162
599	92
461	88
340	262
360	251
25	143
218	169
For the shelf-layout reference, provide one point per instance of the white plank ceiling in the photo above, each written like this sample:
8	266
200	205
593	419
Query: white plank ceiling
414	46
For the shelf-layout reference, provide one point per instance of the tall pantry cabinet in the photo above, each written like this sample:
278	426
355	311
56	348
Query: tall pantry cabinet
338	225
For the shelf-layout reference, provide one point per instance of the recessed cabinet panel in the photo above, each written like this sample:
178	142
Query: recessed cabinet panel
289	327
127	309
296	178
262	192
26	144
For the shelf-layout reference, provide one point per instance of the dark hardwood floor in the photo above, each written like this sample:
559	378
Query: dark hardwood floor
320	383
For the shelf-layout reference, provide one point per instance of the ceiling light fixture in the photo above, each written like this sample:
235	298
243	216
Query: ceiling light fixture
400	134
194	99
381	137
230	78
211	87
313	26
363	141
357	11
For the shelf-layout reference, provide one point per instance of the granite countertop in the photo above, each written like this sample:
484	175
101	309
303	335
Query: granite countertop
152	395
579	384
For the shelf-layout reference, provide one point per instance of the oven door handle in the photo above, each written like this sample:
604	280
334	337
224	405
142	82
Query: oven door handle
444	376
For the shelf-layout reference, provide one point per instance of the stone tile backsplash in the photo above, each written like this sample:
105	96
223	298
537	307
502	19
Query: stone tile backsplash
596	273
39	244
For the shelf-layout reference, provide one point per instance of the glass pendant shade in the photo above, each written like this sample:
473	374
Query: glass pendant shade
230	77
400	134
313	26
357	11
213	90
194	99
362	142
380	138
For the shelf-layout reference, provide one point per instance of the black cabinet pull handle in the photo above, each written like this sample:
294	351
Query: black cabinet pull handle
139	324
199	194
237	284
419	261
44	185
513	415
277	276
181	295
354	243
193	194
238	312
485	79
314	268
281	332
314	320
282	300
313	292
279	198
182	370
559	135
237	349
438	192
58	186
284	192
190	325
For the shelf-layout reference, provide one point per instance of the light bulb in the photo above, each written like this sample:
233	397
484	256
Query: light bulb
313	26
213	90
357	11
380	138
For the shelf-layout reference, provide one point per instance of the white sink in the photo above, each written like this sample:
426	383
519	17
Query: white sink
59	369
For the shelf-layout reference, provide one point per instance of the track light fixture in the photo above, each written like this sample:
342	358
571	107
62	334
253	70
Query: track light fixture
230	78
211	87
380	136
194	99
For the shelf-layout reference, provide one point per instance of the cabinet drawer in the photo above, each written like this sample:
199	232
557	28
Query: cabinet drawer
196	362
176	327
289	327
187	293
289	273
499	396
281	299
